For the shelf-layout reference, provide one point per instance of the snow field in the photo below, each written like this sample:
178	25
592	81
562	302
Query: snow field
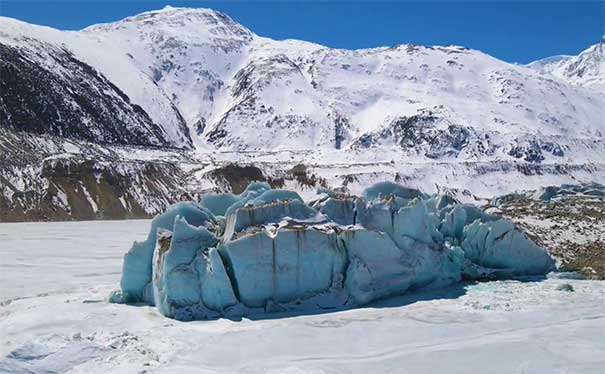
495	327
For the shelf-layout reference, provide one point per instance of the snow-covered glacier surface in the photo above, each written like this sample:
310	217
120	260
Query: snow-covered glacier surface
266	250
54	318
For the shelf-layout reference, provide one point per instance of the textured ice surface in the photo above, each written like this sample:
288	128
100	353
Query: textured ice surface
175	277
273	252
293	263
264	213
385	189
218	203
137	268
340	209
498	245
253	190
379	268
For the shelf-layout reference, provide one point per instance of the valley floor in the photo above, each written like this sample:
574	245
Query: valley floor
54	318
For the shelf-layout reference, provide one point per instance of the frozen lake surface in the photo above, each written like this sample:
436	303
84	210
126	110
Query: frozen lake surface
54	318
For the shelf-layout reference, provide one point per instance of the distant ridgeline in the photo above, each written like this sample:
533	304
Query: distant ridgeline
265	250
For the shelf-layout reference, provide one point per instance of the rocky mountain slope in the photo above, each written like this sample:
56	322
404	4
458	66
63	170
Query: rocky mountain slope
45	90
195	90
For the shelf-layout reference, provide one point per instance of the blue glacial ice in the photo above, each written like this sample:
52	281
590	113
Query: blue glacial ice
284	264
266	250
340	209
137	267
218	203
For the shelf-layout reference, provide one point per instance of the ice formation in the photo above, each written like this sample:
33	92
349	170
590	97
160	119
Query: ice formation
266	250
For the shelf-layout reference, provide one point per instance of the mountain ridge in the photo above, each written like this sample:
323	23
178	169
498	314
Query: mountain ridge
213	93
586	69
157	48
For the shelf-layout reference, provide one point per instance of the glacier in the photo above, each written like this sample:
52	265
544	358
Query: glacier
266	250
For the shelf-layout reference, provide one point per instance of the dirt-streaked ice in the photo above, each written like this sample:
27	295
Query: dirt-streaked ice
276	253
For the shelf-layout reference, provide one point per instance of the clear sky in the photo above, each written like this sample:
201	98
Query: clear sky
515	31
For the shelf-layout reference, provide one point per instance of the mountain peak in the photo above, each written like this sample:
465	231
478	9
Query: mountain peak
199	21
596	51
169	10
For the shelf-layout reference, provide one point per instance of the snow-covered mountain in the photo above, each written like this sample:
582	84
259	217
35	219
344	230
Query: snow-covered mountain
195	79
236	90
587	69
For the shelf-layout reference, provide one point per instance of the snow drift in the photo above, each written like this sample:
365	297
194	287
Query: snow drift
265	250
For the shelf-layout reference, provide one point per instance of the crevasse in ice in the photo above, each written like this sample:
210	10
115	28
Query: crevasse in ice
266	250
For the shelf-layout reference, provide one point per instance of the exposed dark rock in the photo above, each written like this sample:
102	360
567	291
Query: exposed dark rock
84	189
199	126
420	134
533	150
72	101
565	287
341	124
236	178
299	173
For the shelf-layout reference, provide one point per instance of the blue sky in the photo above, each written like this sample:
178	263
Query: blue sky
515	31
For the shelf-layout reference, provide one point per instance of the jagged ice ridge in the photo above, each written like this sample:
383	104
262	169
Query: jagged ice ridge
266	250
